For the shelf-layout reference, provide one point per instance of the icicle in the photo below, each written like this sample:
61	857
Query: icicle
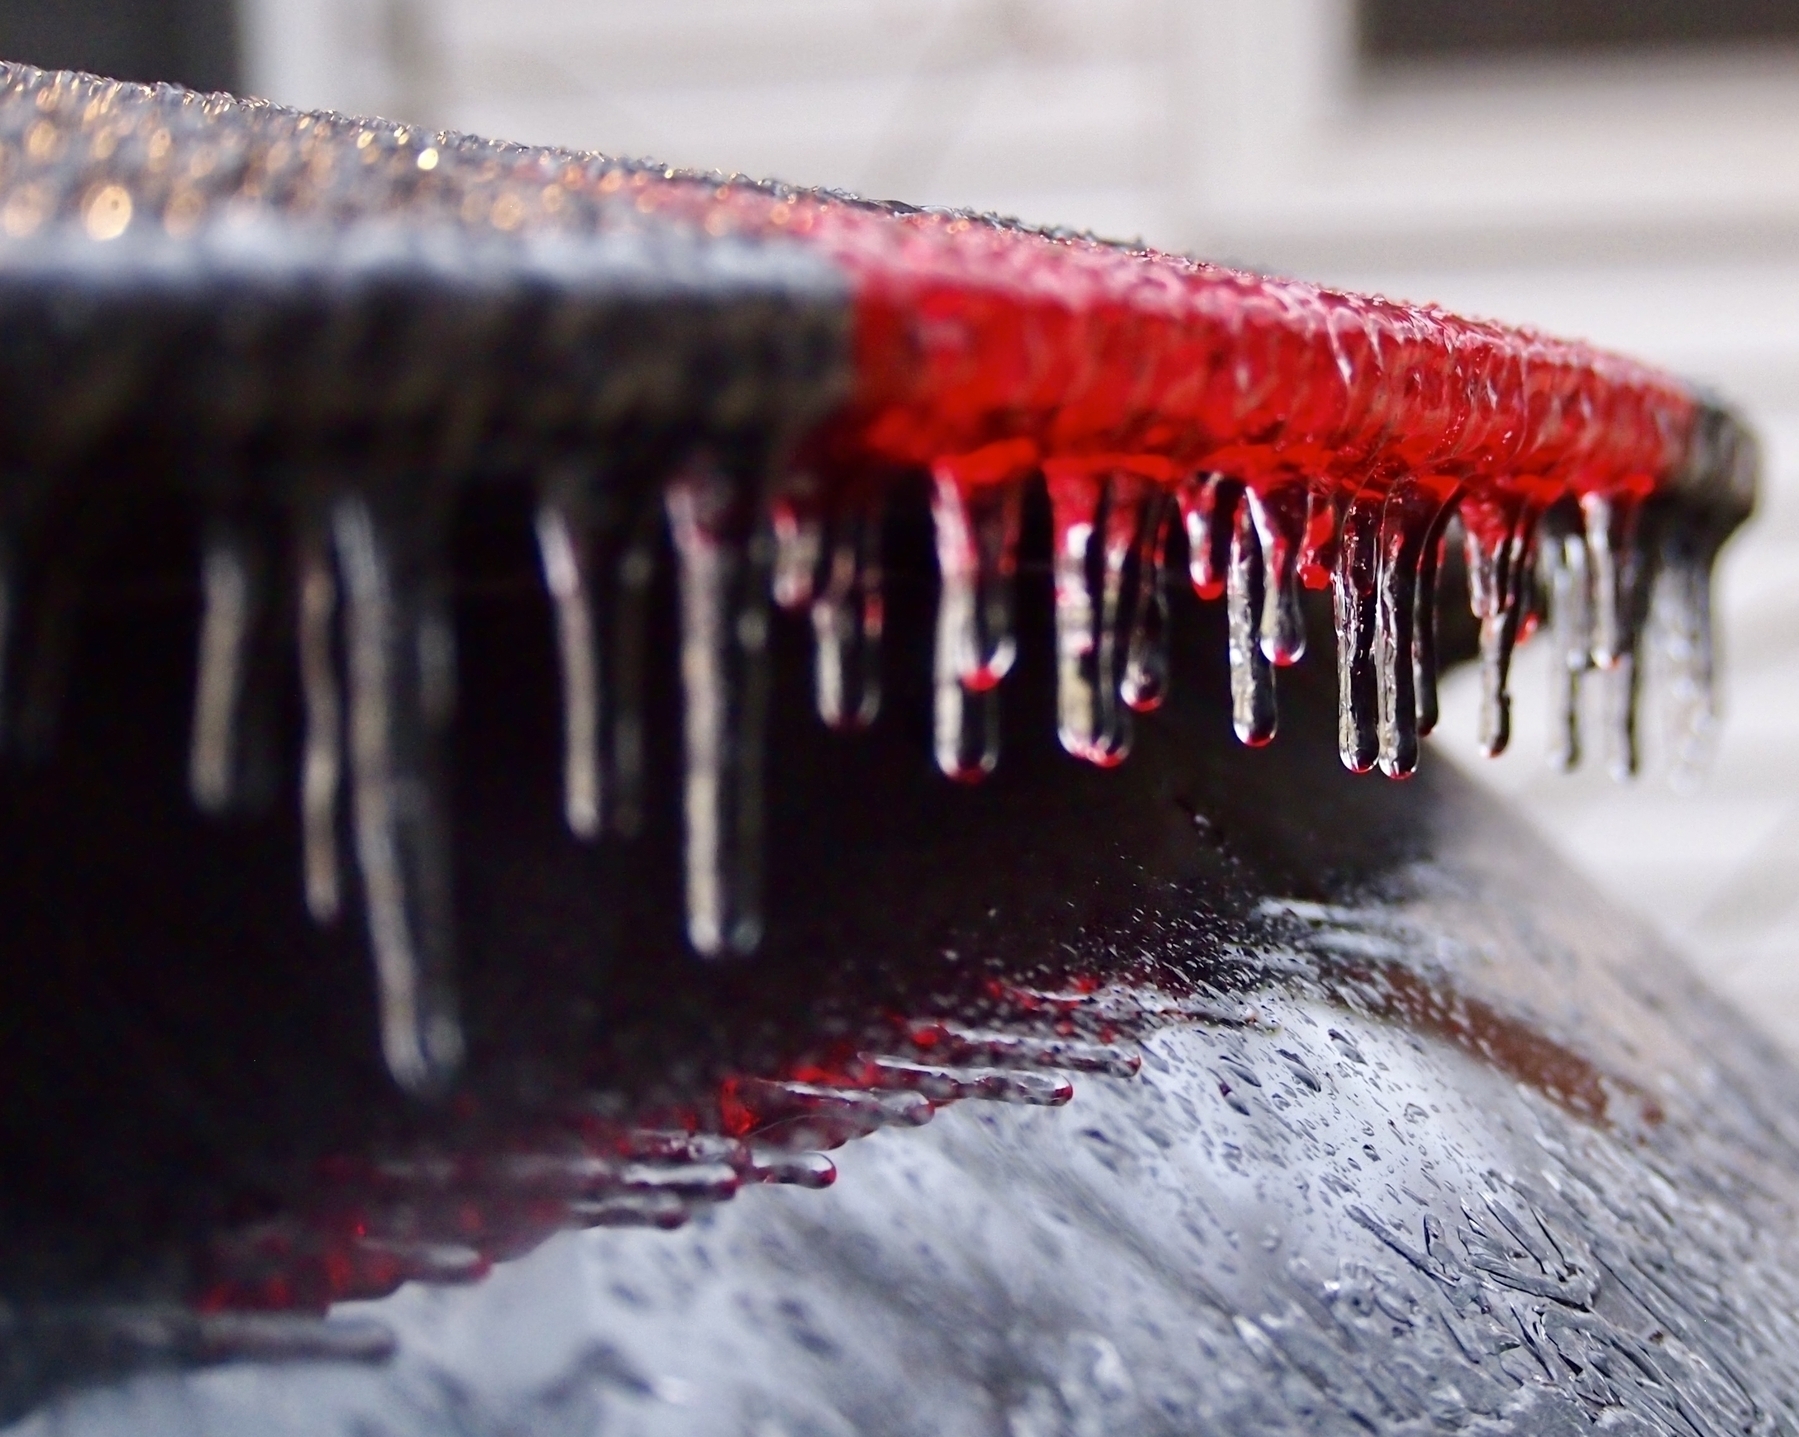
635	573
1567	582
964	721
1280	519
1408	518
798	529
724	681
1094	528
231	581
1498	590
1611	526
1683	632
1146	654
321	763
1253	712
1355	606
848	619
1207	502
397	805
1424	645
1620	563
563	552
977	560
1622	687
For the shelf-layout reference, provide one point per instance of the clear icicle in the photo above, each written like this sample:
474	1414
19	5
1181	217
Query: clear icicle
1095	528
964	721
321	762
723	577
1280	518
397	806
1355	606
847	621
1622	687
231	575
1253	713
635	573
1407	519
563	552
1611	526
1425	665
799	535
1567	582
1685	648
1207	504
1145	682
977	561
1498	586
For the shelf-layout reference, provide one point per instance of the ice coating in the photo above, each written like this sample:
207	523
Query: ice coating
323	327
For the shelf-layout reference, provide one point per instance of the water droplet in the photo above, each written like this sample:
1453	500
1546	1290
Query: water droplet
848	618
1145	683
977	561
562	549
397	804
724	683
1280	515
1355	607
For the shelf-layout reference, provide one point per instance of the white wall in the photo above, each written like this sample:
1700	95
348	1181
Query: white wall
1650	204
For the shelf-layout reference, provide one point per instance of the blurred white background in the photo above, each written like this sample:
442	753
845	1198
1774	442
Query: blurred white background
1622	170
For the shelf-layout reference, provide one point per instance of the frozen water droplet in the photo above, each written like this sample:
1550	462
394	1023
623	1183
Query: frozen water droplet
1207	503
231	576
848	618
1253	714
798	529
398	807
321	761
1408	519
1280	516
1355	606
1145	682
562	548
724	683
977	560
1095	528
1567	584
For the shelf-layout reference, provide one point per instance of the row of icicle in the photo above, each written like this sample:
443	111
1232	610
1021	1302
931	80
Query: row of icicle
371	716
